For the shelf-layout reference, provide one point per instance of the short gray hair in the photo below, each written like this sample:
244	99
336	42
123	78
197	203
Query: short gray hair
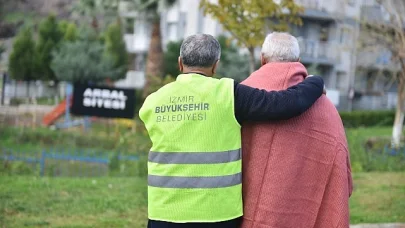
281	47
200	50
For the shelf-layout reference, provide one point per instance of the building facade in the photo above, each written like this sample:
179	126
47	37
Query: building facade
328	41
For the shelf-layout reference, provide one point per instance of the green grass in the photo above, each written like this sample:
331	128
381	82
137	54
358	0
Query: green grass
108	138
363	161
69	202
378	198
99	138
122	202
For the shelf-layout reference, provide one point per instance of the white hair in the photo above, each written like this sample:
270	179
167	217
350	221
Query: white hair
281	47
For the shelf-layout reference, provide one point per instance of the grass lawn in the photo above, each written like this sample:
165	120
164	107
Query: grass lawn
378	198
72	202
121	202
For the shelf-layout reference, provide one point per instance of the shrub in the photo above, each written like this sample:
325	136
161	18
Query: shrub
370	152
16	101
367	118
17	168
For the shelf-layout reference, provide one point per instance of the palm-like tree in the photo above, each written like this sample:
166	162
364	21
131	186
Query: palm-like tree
107	10
154	62
150	9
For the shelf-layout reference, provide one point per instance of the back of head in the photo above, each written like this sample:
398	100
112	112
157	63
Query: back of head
200	51
280	47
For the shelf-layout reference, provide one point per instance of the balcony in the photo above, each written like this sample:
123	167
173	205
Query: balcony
376	59
316	9
324	53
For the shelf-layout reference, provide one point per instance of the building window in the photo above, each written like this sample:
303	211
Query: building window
324	34
341	80
345	35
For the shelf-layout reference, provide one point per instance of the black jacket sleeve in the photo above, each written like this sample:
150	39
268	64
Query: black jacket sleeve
259	105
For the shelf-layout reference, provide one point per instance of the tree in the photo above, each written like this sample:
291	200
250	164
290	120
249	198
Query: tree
22	58
154	61
390	34
49	37
97	11
232	64
171	56
71	32
2	49
84	60
115	47
249	20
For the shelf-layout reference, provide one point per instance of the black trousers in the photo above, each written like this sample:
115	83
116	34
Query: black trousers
234	223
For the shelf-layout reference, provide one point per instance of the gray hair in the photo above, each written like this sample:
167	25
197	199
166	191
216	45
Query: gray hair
200	50
281	47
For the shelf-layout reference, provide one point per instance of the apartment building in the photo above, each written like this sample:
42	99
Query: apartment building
328	41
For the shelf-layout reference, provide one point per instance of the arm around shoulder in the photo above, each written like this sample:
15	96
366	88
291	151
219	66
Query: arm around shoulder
259	105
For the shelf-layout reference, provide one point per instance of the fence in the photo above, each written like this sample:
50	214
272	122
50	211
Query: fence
72	163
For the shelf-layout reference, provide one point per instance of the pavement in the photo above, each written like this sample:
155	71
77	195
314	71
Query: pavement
388	225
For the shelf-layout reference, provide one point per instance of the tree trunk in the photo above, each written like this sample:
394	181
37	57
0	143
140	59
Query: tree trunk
251	59
154	61
28	88
399	114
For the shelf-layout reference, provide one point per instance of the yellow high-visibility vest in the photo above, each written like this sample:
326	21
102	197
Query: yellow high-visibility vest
194	167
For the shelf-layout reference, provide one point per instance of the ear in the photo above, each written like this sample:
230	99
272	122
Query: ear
180	62
214	68
262	60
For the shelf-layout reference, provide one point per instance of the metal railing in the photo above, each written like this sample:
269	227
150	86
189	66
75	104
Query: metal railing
318	50
72	163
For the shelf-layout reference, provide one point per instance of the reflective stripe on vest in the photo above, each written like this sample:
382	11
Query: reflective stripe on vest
195	182
195	157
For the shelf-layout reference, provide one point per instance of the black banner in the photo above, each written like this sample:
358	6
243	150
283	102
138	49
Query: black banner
103	101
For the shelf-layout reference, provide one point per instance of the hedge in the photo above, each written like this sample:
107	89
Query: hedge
367	118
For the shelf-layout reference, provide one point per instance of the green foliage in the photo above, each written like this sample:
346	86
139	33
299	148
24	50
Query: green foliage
154	7
368	152
49	37
158	82
313	69
128	168
63	25
115	48
232	64
70	33
171	58
22	60
99	12
17	168
246	21
2	49
84	60
367	118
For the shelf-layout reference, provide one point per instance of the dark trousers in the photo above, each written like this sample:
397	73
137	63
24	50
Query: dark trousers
234	223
